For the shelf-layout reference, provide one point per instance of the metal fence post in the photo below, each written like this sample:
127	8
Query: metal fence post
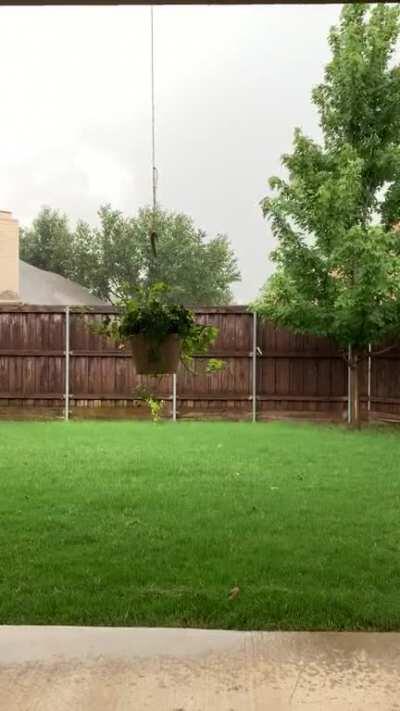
254	370
369	378
349	387
67	348
174	397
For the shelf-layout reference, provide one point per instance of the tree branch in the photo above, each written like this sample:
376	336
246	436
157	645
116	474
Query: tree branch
383	350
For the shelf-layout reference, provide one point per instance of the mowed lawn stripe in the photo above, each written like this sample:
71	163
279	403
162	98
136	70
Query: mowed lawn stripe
132	523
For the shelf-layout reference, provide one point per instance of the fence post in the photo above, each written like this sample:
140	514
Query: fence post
369	378
254	370
174	397
67	348
349	387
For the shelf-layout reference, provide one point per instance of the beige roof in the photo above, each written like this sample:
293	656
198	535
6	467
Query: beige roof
48	289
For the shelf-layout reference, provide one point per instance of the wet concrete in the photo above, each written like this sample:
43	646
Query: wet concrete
98	669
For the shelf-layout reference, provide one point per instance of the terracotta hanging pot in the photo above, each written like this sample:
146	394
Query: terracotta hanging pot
153	357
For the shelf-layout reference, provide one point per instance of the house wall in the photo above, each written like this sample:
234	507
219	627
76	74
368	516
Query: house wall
9	258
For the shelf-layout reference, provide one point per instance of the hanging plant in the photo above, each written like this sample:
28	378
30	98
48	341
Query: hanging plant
159	332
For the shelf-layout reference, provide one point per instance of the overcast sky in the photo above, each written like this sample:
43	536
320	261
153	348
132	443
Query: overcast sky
231	82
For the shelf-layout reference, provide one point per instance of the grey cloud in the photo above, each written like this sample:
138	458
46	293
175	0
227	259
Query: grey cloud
232	83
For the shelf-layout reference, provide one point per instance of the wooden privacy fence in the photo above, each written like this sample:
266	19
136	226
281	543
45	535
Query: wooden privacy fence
51	362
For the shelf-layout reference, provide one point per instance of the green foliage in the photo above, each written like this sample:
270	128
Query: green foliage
155	404
335	216
49	243
215	365
200	271
152	312
156	407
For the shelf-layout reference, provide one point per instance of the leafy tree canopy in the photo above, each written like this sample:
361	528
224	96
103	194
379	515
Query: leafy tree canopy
117	253
336	215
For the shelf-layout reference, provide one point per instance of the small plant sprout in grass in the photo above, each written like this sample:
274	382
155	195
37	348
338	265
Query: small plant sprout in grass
156	407
155	404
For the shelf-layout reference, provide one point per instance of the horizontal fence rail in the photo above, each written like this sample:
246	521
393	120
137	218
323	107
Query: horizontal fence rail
51	361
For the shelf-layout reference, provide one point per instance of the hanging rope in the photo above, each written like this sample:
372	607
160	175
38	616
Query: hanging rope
153	231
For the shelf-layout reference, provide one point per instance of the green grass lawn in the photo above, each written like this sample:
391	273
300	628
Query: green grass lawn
130	523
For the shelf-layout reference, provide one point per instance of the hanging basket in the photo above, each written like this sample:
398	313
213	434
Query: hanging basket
153	358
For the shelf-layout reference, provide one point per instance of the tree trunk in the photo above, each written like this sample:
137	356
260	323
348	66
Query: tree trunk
355	414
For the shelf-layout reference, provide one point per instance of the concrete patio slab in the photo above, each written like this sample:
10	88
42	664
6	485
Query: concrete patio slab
104	669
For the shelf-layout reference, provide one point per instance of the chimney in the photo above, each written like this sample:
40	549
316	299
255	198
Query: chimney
9	258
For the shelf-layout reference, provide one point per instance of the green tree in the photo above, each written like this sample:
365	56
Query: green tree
118	252
48	243
335	217
200	271
109	256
